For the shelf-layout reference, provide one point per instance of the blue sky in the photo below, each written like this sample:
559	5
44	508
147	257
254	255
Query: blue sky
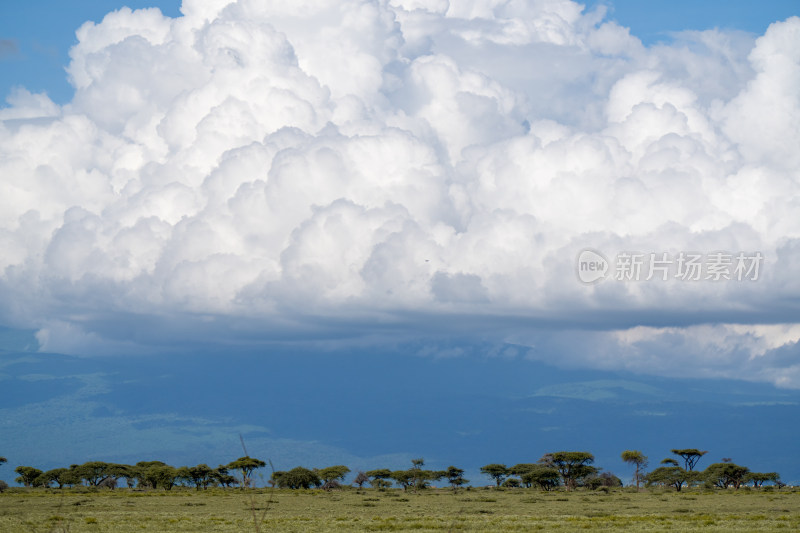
351	234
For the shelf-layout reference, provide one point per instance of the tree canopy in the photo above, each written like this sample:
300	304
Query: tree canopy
759	478
726	474
246	465
570	468
380	477
639	460
27	475
667	476
690	456
200	476
573	466
539	475
496	471
297	478
333	473
455	476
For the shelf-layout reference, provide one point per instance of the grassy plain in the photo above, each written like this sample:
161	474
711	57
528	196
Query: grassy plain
185	510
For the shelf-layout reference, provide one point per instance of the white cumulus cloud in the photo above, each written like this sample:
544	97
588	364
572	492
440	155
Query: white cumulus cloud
404	164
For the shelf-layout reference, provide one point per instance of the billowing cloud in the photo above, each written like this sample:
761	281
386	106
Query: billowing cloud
377	167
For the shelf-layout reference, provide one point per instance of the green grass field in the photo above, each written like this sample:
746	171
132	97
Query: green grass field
40	510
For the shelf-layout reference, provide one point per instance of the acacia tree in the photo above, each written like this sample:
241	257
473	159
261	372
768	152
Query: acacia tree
164	476
545	477
455	476
727	474
404	478
93	472
200	475
520	469
672	475
536	474
3	460
28	475
759	478
690	456
146	473
184	477
639	460
572	466
129	474
332	475
379	477
496	471
246	465
221	476
426	477
419	477
61	476
119	471
154	474
296	478
416	476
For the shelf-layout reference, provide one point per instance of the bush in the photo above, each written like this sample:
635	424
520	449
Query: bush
3	485
606	479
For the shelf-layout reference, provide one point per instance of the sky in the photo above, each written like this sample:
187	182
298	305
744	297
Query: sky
361	232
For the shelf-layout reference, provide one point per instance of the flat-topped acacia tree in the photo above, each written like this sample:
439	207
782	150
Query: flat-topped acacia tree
379	478
333	473
296	478
690	456
758	478
28	475
496	471
246	465
671	475
573	466
455	476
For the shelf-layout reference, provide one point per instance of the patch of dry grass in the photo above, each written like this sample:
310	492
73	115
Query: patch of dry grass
80	510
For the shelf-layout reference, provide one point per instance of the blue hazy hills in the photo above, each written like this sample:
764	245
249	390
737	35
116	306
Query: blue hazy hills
369	410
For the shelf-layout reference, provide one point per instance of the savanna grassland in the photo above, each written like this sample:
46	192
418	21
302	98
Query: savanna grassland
121	510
